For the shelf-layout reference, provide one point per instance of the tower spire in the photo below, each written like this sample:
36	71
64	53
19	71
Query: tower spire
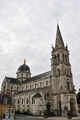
59	40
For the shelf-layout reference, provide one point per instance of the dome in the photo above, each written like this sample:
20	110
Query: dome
23	68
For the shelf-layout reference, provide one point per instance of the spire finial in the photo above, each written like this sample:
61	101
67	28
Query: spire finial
24	61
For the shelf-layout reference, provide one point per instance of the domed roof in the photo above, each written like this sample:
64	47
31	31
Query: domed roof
23	68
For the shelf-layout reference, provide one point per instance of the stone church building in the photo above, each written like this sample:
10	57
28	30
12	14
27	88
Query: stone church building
52	91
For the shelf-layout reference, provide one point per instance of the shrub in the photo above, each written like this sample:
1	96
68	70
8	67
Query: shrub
45	112
69	113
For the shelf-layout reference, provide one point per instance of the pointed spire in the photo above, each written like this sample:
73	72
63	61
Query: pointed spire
59	41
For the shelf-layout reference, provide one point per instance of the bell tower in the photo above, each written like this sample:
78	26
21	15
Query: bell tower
60	65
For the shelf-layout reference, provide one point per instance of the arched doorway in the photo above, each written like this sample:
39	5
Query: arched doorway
37	104
73	106
48	107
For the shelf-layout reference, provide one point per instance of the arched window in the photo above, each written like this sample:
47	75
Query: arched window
33	100
22	101
58	72
18	101
68	85
55	57
58	57
61	87
63	57
27	100
66	58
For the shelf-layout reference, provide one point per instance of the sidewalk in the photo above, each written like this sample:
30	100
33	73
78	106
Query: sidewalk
63	118
60	118
55	118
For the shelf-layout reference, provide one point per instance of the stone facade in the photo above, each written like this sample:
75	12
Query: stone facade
52	91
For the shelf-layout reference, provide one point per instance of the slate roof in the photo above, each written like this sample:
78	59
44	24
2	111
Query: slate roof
38	77
12	80
33	91
23	68
34	78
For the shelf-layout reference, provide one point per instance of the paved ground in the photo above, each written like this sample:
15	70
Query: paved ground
24	117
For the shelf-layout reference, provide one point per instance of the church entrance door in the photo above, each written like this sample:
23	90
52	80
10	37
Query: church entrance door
72	106
48	107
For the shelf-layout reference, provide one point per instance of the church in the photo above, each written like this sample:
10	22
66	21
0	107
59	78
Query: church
52	91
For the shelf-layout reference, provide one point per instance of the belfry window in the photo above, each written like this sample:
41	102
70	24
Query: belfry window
58	57
63	57
66	59
68	85
55	57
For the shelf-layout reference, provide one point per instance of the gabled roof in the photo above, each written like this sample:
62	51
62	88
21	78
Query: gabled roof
34	78
12	80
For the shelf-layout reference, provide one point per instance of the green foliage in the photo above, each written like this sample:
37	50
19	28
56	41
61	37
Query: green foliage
69	113
78	98
45	112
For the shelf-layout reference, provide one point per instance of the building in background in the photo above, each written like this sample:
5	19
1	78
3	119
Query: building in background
5	102
52	91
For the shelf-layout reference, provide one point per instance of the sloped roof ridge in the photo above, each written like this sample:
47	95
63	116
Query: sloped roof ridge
38	77
41	74
10	77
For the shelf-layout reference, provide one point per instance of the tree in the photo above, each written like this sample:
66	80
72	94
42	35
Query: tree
78	97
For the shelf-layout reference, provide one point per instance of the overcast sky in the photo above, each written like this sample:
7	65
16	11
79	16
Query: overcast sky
28	30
